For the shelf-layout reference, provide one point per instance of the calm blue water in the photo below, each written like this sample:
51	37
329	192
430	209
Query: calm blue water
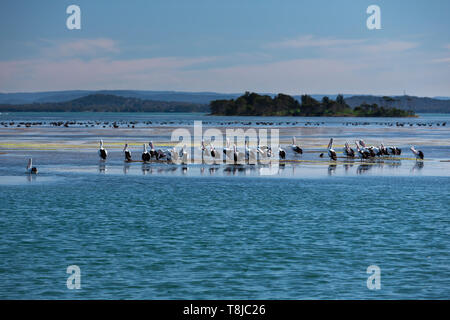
223	232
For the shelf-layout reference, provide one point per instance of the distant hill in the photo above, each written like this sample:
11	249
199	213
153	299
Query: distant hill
107	103
417	104
60	96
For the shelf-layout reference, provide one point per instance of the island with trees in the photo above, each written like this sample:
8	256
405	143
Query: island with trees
253	104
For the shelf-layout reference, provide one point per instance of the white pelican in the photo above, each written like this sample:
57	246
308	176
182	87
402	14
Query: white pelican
395	151
173	155
227	150
30	168
331	152
212	151
127	153
375	151
417	153
349	152
145	154
281	153
184	155
250	154
205	151
383	150
363	154
264	151
102	153
295	147
366	149
235	154
153	153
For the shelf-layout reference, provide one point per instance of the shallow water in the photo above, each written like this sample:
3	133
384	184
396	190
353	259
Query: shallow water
307	229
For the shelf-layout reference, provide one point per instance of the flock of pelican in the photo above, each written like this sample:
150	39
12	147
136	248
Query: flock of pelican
260	152
252	155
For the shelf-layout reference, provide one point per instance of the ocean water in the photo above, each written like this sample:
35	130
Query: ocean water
307	229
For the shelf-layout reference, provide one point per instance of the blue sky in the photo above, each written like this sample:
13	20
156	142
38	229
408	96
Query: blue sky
227	46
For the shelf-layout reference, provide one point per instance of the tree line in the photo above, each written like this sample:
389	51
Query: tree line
253	104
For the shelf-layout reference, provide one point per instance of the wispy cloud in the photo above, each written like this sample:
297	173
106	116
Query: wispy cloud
441	60
308	41
80	47
343	45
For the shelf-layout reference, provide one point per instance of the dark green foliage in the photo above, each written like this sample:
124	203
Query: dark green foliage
252	104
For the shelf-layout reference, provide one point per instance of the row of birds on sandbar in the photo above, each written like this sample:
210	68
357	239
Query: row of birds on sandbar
251	154
369	152
362	151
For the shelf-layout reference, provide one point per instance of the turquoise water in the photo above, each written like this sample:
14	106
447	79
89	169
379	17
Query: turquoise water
162	231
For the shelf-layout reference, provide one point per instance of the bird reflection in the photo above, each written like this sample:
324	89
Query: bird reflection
347	167
362	168
102	167
418	166
332	169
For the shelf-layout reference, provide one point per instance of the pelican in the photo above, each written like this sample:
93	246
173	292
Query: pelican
366	149
30	168
363	154
227	150
184	155
261	150
395	151
417	153
145	154
160	154
127	153
331	152
153	153
349	152
212	151
235	154
173	155
383	150
295	147
375	151
281	153
205	151
102	153
250	154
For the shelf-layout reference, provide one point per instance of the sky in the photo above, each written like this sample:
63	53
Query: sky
232	46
